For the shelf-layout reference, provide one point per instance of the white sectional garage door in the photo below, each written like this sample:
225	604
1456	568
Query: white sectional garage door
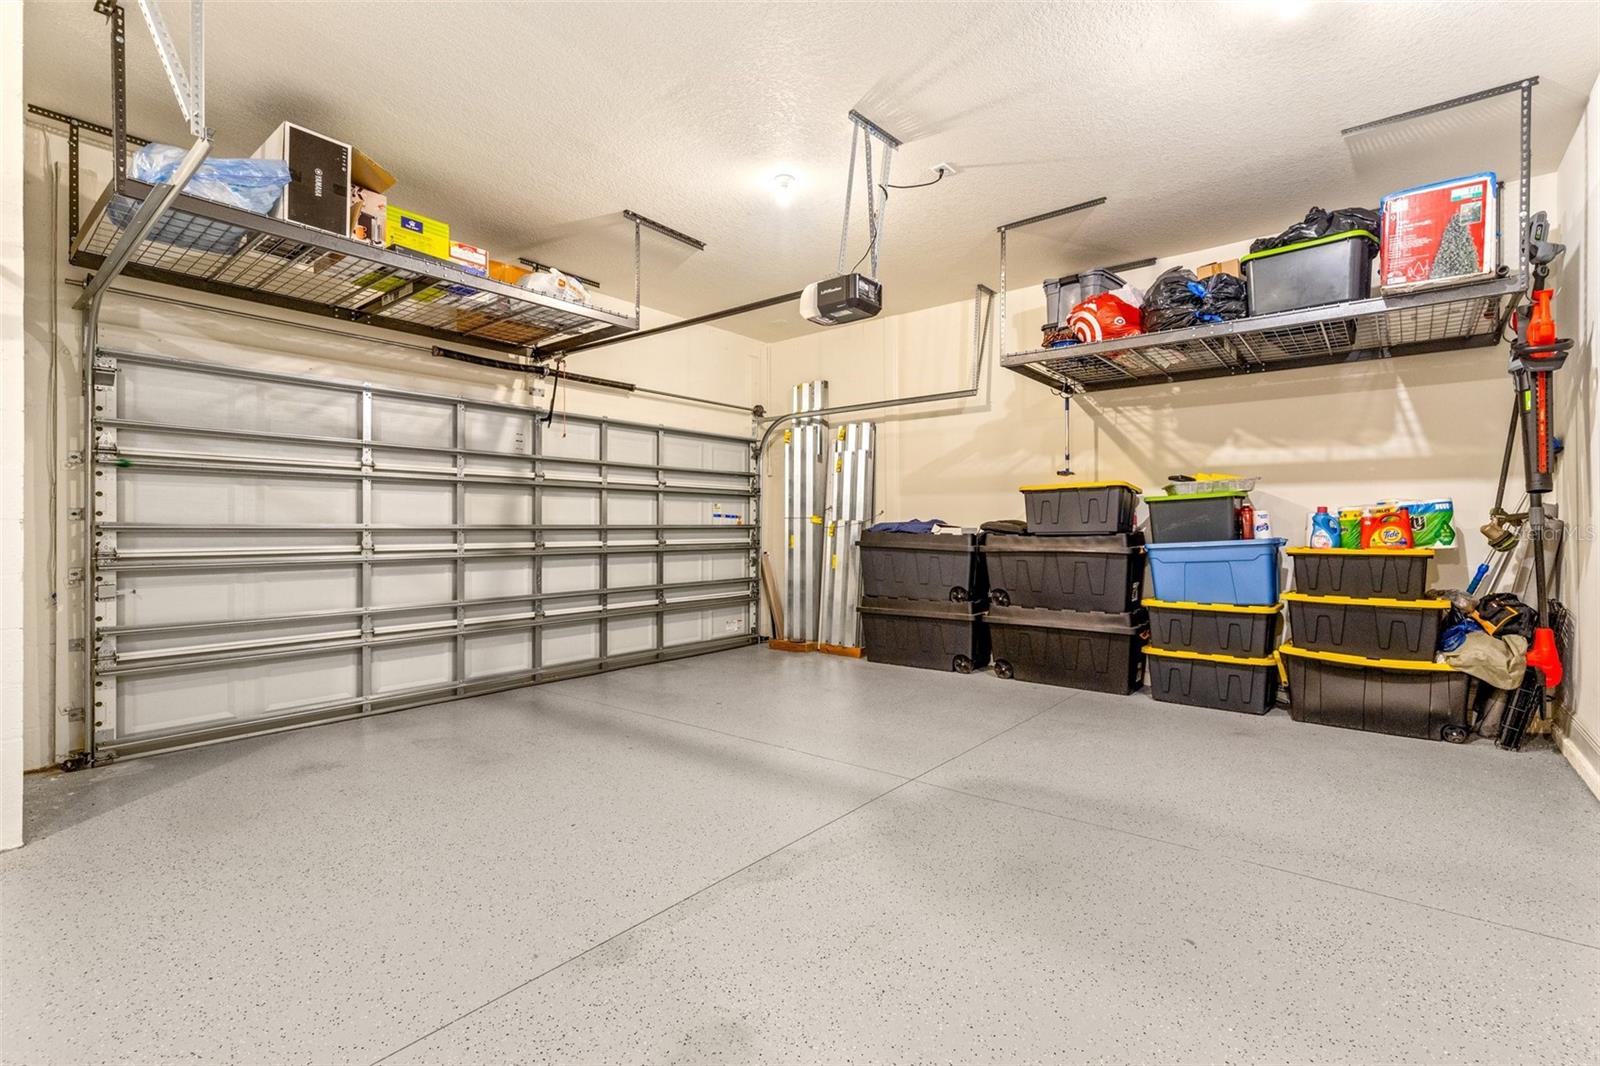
272	551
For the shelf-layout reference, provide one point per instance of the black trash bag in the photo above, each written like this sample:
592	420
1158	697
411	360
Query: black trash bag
1225	299
1173	300
1320	223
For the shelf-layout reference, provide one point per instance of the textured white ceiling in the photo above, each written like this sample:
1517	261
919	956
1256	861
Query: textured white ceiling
529	127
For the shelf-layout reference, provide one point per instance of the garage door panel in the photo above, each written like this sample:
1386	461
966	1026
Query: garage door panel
403	503
488	654
413	665
491	578
570	642
238	580
210	696
180	596
153	495
197	397
626	508
498	431
694	625
403	584
397	420
498	505
570	440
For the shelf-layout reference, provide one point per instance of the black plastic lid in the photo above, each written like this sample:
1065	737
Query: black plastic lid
932	542
1082	621
1066	543
943	609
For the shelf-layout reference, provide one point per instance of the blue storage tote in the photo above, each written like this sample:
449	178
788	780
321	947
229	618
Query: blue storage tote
1240	572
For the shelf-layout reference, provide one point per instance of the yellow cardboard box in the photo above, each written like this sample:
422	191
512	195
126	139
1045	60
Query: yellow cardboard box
418	233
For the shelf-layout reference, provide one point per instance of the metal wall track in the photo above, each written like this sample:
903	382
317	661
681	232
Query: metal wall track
272	550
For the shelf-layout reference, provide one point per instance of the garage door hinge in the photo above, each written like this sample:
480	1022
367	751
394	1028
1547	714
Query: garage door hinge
106	590
105	370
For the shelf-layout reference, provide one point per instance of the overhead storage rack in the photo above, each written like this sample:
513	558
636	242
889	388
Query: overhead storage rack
215	248
1463	316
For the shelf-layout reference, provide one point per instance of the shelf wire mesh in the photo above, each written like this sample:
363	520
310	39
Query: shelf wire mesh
187	248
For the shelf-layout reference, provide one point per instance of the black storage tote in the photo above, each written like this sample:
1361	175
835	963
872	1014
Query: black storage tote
1370	628
929	634
1407	699
1098	652
923	566
1100	573
1080	507
1214	628
1223	682
1392	573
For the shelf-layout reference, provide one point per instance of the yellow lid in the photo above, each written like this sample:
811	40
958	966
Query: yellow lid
1232	608
1357	601
1370	664
1205	657
1081	485
1361	551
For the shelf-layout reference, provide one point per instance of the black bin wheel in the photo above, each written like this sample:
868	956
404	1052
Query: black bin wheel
1000	597
1455	734
958	596
1003	669
961	665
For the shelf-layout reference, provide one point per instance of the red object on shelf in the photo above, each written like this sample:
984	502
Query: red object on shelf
1247	522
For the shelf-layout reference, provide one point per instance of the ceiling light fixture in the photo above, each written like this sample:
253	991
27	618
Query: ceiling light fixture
783	189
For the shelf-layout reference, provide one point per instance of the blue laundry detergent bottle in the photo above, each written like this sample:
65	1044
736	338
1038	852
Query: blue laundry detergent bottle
1324	529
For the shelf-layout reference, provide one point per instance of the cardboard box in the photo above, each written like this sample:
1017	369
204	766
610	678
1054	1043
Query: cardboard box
1439	234
318	193
1225	266
472	259
510	273
369	206
417	233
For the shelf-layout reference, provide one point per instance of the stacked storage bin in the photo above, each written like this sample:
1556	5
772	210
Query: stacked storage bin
1214	616
1363	641
1065	595
923	597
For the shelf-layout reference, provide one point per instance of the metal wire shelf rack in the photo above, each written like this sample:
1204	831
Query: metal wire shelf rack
1380	327
1471	315
215	248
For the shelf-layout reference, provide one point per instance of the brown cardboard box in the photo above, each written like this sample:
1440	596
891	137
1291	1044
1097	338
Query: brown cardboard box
369	206
1226	266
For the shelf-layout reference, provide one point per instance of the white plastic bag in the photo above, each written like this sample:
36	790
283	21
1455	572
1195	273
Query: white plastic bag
556	284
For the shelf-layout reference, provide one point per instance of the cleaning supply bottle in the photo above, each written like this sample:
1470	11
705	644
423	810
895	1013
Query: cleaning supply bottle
1392	529
1369	525
1324	529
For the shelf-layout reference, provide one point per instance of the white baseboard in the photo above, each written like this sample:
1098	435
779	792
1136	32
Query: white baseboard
1582	751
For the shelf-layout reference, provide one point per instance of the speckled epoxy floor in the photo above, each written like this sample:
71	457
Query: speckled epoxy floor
764	857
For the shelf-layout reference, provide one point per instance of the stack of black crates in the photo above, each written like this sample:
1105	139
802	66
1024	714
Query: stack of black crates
1065	595
1365	634
923	597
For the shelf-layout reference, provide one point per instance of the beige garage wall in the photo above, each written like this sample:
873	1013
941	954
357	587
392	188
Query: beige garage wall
702	361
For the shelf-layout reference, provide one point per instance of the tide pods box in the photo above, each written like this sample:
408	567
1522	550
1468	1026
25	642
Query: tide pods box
1439	234
418	233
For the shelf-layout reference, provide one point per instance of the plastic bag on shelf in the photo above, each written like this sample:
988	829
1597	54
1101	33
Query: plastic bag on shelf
1320	223
1173	300
1224	299
556	284
248	184
1106	316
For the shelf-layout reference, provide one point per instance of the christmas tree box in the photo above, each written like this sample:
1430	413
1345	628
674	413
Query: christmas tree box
1445	233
